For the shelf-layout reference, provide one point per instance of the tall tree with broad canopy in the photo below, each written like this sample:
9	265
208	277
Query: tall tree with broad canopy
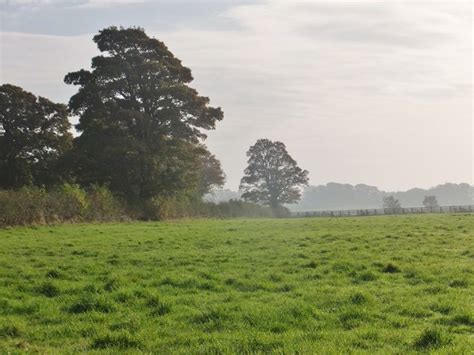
272	177
141	123
34	134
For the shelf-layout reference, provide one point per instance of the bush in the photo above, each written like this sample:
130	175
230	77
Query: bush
22	207
65	203
191	206
103	205
172	207
71	203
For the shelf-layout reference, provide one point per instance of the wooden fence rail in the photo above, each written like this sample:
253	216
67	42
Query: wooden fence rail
385	211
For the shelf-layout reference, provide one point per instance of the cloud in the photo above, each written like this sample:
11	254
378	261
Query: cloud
359	91
39	62
68	3
78	17
108	3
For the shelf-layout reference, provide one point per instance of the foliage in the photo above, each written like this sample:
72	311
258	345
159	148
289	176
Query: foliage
65	203
211	174
272	176
430	201
140	121
189	206
70	203
239	208
282	286
34	134
391	202
23	207
102	205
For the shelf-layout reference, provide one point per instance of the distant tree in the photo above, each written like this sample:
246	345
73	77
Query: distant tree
391	202
272	176
140	121
211	175
430	201
34	134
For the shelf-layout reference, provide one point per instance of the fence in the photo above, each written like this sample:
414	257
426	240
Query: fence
385	211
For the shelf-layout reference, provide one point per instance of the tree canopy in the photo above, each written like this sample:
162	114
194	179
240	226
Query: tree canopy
34	134
391	202
272	176
141	123
210	171
430	201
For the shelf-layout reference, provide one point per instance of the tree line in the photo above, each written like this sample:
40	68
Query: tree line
337	196
140	132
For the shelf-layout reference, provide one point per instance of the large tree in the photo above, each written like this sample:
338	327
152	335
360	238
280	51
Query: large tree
272	176
141	123
34	134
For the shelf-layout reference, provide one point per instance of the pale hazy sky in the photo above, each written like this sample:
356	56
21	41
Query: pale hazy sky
376	92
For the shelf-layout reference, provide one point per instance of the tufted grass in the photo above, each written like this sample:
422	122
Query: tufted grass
395	284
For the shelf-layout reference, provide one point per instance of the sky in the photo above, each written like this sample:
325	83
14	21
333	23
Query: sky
374	92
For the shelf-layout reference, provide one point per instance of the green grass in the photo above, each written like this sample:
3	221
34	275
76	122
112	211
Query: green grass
397	284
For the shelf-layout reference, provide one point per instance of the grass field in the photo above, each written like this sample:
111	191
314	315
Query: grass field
395	284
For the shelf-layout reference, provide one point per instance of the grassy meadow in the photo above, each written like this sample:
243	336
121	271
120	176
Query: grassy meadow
395	284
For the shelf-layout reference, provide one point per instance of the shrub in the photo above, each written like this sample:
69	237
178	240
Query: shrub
70	203
192	206
22	207
172	207
102	205
65	203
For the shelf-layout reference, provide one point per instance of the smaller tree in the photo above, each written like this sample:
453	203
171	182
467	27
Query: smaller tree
34	134
272	176
391	202
211	175
430	201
